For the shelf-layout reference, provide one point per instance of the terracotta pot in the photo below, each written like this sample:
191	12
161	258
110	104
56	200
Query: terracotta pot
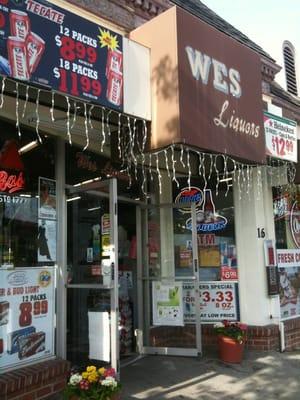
230	350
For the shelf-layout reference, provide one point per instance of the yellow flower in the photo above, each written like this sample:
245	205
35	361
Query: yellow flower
93	377
91	369
85	375
101	371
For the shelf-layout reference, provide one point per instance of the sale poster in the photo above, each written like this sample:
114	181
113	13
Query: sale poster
47	198
281	137
289	292
218	301
289	282
46	241
27	315
167	304
50	46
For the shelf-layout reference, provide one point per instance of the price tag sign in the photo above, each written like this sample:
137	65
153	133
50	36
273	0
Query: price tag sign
27	315
218	301
47	45
281	137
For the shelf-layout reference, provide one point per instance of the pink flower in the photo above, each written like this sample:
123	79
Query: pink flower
110	372
84	384
243	327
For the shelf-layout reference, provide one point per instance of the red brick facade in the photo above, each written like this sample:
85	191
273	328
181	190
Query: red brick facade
264	338
35	382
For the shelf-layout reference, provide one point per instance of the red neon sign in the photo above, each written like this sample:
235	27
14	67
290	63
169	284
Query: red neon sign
11	183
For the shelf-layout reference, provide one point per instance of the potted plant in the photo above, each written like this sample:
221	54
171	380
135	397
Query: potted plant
93	384
231	340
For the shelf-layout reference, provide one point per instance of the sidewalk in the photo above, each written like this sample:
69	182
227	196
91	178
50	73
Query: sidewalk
261	376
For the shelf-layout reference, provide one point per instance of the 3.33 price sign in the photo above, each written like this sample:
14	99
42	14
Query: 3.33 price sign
218	301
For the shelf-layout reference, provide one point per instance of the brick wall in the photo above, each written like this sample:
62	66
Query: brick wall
292	334
34	382
128	14
258	337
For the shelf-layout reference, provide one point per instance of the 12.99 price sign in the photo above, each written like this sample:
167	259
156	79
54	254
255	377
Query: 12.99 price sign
50	46
281	137
26	315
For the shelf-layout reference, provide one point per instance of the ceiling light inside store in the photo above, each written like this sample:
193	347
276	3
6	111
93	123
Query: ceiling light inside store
74	198
25	195
94	208
226	179
88	181
28	147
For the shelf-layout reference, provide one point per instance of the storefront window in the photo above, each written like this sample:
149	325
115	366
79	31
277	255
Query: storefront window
27	200
215	232
286	206
27	247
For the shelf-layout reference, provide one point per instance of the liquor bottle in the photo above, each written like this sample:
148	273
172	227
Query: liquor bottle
208	207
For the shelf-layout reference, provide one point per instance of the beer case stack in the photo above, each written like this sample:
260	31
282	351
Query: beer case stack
24	48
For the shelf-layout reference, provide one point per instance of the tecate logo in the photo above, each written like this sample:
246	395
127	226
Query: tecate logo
17	278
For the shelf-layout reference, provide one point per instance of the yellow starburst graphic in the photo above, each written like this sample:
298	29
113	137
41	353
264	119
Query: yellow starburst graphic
107	39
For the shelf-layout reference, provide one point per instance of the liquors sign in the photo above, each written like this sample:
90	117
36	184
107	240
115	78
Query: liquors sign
220	91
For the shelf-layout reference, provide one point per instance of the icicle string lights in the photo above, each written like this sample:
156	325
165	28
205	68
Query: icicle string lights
102	129
52	107
38	116
26	101
90	116
132	140
68	120
74	115
17	110
2	91
86	127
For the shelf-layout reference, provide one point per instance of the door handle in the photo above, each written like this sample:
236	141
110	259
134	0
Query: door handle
196	265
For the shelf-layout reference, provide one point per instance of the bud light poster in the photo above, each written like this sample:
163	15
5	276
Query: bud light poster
27	316
49	46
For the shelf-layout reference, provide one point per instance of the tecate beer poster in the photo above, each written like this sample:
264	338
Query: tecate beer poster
26	315
167	304
49	46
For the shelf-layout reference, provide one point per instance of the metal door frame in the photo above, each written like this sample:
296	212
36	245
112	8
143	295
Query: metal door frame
145	297
92	187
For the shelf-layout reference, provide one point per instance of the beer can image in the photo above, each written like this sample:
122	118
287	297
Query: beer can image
114	88
19	24
35	46
4	312
17	56
31	344
114	62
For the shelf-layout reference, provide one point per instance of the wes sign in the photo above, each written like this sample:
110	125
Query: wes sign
220	91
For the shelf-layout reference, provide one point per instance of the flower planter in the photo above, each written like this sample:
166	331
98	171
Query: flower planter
116	396
230	350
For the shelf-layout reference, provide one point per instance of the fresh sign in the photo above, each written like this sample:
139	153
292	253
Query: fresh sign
281	137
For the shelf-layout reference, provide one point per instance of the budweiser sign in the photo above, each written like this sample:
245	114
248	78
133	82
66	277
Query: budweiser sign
11	183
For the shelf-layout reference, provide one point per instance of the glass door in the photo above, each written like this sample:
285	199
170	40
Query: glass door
92	275
170	281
